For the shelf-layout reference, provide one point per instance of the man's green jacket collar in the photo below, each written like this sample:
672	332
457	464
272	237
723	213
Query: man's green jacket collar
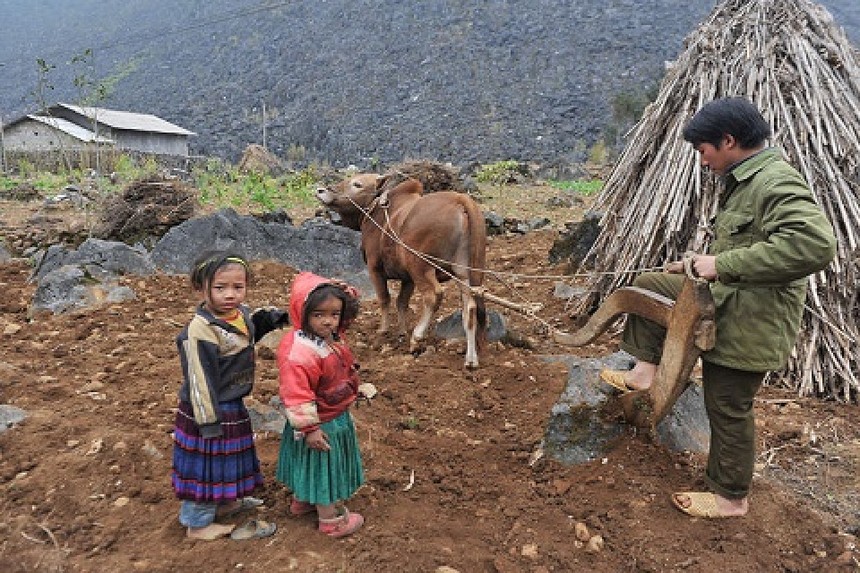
748	167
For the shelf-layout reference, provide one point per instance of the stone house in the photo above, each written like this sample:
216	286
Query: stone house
74	128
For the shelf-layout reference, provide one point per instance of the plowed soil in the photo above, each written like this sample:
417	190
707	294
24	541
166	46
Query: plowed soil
453	479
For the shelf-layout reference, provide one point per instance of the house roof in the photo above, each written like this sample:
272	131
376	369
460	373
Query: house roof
127	120
70	128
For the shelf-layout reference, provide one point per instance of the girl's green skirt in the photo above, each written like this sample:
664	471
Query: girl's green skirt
322	477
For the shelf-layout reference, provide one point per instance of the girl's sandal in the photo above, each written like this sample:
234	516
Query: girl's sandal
241	505
344	524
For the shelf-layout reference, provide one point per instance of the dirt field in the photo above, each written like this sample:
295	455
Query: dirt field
85	478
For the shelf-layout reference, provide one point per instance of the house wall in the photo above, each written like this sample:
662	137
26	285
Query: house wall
146	142
32	135
158	143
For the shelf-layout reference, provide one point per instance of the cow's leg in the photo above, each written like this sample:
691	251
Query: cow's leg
407	287
383	297
470	325
431	299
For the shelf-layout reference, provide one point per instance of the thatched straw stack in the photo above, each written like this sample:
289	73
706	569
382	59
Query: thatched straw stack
799	68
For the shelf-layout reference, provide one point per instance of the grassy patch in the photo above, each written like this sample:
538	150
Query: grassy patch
585	187
222	185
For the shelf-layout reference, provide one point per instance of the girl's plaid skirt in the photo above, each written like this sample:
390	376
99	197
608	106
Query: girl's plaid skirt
215	469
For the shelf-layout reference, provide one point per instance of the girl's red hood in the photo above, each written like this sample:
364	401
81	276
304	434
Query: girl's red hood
303	285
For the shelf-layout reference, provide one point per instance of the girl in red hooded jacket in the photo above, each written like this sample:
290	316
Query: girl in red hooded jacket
319	458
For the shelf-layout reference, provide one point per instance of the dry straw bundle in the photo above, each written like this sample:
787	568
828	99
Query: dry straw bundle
790	58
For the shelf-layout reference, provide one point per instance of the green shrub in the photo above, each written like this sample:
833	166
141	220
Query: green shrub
25	168
125	167
500	172
6	183
222	185
599	153
298	188
48	183
150	166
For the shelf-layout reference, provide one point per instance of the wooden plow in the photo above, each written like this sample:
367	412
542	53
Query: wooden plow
690	330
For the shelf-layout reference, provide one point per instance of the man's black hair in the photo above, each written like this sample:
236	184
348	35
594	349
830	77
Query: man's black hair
735	116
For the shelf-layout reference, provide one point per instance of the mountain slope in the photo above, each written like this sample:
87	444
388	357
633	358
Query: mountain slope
358	81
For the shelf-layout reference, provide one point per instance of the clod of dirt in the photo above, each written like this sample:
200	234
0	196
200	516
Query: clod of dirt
433	176
258	159
145	210
594	545
580	530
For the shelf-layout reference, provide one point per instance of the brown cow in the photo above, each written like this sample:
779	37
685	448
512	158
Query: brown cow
420	240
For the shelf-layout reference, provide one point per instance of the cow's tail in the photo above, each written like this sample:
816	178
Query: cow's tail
477	262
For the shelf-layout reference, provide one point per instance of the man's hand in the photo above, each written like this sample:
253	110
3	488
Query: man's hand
704	266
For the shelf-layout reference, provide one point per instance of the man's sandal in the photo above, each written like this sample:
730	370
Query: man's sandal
615	378
702	504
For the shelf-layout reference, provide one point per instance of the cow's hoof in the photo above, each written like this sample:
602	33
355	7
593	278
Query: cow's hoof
471	365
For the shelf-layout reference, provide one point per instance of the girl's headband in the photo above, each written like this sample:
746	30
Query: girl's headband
236	260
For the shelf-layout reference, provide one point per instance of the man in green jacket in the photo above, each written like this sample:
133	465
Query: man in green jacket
769	235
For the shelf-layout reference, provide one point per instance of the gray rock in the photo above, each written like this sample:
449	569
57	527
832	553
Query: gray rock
9	416
451	327
495	223
88	276
5	255
538	223
98	256
580	431
686	427
267	417
71	286
567	292
573	245
316	246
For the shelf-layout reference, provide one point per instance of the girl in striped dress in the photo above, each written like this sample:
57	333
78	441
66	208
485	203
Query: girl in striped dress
215	464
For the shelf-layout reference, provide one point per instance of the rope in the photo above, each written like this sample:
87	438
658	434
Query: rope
432	259
529	309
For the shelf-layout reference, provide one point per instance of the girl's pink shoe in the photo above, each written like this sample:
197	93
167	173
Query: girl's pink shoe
301	507
344	524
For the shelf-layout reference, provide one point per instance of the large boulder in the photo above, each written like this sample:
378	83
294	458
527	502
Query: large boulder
579	429
316	245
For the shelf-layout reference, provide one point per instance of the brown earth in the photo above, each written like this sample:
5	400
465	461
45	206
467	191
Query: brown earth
449	454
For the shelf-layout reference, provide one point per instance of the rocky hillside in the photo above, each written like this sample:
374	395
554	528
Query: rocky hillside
359	81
